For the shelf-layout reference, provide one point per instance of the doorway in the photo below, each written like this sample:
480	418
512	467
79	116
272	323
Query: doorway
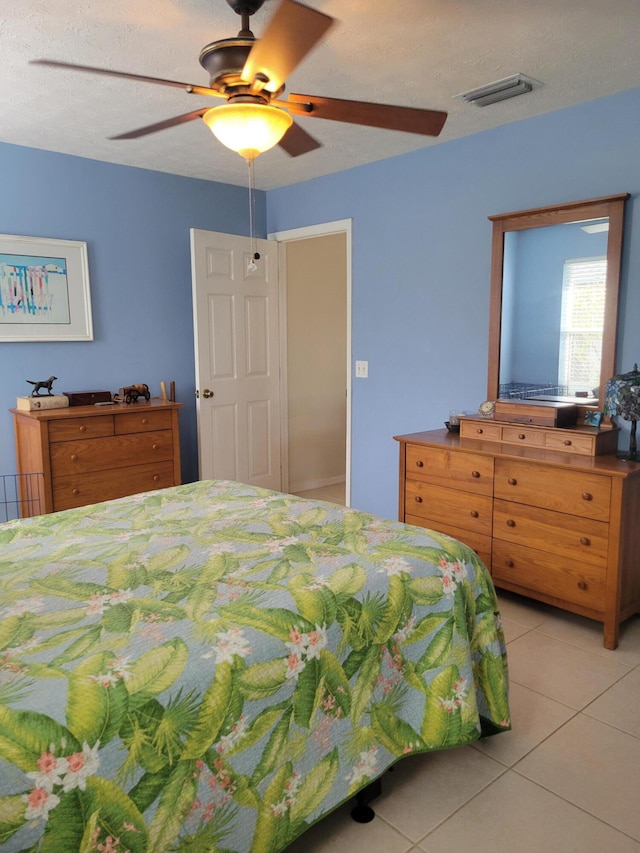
315	322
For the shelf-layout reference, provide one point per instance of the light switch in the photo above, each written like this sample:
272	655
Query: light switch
362	369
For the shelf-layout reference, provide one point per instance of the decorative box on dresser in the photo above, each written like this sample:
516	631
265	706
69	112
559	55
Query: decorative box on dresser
94	453
560	526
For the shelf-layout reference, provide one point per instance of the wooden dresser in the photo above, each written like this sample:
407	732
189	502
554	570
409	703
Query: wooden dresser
96	453
561	527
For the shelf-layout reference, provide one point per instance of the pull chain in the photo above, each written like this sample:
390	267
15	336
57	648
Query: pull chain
255	256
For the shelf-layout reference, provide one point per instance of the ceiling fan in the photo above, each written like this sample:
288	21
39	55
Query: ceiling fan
249	74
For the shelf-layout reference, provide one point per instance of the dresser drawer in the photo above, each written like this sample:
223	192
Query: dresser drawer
469	471
80	489
478	542
484	430
143	421
103	454
573	492
562	578
69	429
522	435
572	536
571	442
448	506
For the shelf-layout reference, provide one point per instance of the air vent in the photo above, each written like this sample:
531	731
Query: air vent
501	90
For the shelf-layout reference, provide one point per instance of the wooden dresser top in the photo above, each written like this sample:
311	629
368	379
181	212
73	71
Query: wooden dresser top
93	410
607	464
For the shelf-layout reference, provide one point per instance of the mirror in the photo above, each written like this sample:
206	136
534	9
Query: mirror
555	274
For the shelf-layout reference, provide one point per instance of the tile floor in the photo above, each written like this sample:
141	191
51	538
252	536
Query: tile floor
566	778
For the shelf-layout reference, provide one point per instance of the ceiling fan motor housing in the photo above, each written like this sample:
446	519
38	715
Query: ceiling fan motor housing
245	7
224	60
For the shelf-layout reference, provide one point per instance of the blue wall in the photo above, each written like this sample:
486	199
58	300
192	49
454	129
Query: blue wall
421	262
136	225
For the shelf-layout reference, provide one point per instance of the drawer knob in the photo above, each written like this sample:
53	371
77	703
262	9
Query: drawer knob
74	457
509	564
474	513
418	499
567	442
512	481
511	523
587	496
582	585
479	430
419	464
522	436
145	420
585	541
154	446
476	474
82	428
156	477
75	491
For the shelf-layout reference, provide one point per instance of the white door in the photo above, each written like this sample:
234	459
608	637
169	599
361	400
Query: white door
236	330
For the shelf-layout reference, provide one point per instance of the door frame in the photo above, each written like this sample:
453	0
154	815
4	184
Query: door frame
339	226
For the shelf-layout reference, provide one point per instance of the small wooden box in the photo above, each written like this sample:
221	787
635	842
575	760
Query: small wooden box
538	412
87	398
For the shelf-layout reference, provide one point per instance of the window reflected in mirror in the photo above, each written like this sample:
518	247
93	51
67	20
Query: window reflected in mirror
581	325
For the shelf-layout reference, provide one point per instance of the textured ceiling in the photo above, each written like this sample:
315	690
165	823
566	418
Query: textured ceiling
411	52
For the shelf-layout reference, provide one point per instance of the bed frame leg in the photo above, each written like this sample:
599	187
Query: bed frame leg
362	811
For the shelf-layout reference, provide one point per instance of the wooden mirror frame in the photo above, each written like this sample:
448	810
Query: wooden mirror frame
596	208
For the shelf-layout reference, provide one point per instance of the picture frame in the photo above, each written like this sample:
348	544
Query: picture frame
593	418
44	290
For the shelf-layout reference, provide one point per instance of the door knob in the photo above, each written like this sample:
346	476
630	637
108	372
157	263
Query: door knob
207	393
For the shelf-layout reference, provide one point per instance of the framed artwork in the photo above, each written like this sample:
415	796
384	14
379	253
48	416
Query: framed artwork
44	290
593	418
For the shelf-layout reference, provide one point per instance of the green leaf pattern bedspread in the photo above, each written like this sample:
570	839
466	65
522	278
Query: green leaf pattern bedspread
215	666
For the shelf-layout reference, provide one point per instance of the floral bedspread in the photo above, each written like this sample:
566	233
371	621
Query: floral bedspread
215	666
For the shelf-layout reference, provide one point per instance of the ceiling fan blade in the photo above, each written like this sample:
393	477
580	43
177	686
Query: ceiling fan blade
107	72
407	119
291	33
161	125
297	141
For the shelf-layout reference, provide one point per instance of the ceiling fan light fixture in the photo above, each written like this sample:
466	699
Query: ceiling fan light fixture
249	129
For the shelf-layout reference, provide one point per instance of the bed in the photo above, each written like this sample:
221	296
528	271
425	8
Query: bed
214	666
